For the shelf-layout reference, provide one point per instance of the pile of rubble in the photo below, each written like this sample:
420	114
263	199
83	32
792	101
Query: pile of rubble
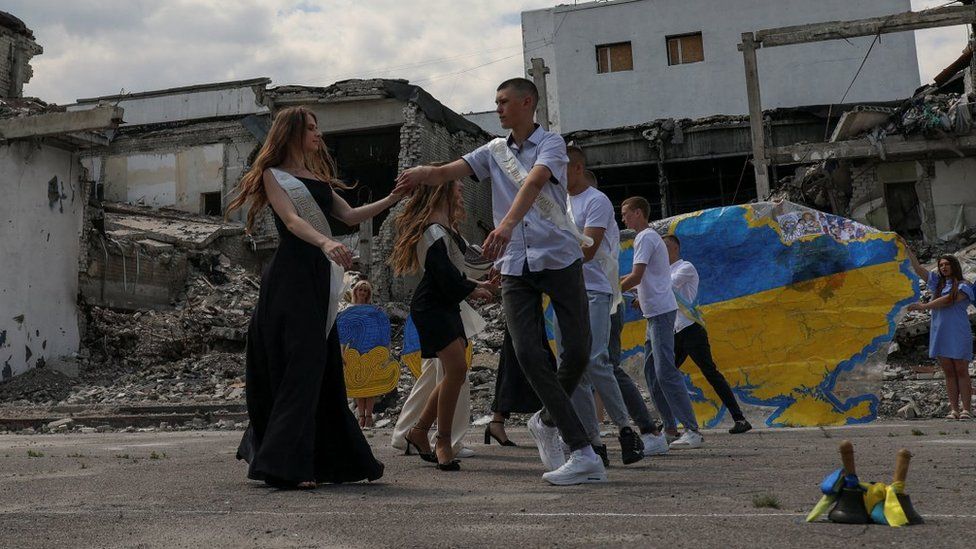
211	314
193	353
933	115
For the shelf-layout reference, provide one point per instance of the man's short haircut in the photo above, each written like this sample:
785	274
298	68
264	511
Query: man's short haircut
590	179
523	86
576	155
673	237
638	203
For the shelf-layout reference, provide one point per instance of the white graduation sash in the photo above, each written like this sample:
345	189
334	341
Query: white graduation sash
546	207
310	211
472	321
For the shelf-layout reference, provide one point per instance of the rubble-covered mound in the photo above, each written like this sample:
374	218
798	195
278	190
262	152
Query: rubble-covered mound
211	315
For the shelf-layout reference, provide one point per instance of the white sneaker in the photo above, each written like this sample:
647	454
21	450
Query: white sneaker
547	440
690	439
565	449
654	445
464	452
578	470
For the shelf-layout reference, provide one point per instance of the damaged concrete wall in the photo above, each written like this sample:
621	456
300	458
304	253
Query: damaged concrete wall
422	142
173	167
936	193
42	212
17	47
173	179
205	101
954	194
178	144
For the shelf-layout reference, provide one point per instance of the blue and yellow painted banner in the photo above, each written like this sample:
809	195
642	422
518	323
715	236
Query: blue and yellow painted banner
368	367
796	302
411	349
798	305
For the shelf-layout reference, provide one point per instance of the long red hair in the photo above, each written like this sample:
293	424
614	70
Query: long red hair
285	140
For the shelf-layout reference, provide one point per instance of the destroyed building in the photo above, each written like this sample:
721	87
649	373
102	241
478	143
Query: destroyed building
375	129
185	149
44	212
905	165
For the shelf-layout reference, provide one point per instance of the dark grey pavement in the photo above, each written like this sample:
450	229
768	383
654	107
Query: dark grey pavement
184	489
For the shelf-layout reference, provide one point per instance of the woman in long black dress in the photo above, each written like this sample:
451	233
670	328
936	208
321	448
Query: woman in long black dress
428	242
513	394
301	431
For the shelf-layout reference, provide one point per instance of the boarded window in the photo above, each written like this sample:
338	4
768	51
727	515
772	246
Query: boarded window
686	48
210	204
614	57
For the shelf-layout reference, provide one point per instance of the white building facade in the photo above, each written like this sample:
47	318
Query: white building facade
626	62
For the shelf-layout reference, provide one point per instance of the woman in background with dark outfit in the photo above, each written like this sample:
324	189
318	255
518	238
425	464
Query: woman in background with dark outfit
301	431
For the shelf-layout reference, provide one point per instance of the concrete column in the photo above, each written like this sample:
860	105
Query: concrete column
748	48
538	73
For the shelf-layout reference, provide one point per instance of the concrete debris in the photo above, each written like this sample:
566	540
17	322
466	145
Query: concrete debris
61	424
908	411
16	107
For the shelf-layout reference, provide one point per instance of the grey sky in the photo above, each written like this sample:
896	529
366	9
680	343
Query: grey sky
457	50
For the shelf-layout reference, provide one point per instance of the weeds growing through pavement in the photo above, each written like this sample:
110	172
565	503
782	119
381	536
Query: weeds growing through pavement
765	500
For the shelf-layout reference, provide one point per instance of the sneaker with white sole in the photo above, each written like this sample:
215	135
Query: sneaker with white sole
579	469
548	442
654	445
464	452
690	439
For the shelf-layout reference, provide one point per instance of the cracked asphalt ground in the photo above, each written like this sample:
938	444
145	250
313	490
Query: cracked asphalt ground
184	489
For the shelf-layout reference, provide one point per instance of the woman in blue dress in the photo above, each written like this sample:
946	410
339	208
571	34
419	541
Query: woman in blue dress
950	336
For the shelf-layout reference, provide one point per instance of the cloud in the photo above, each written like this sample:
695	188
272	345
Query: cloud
455	50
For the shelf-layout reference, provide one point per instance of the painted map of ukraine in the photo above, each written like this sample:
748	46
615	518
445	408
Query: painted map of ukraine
795	302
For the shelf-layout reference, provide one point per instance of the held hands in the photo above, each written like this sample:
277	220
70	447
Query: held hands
337	252
485	291
408	179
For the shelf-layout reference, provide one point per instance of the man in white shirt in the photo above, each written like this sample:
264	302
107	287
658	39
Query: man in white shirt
690	337
593	214
651	275
538	252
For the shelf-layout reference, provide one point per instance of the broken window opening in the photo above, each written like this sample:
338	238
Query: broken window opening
904	217
210	204
685	48
614	58
366	160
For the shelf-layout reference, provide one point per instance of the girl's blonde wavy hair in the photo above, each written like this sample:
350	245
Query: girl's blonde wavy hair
411	222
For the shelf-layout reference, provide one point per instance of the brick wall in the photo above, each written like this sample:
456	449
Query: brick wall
423	142
864	184
16	51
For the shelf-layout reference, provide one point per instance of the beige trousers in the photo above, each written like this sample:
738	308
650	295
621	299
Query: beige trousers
431	374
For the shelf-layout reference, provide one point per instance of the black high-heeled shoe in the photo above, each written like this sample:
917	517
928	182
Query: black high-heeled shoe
429	457
489	435
454	464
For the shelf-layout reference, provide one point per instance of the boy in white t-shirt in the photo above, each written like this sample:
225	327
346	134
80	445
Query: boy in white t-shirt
651	275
